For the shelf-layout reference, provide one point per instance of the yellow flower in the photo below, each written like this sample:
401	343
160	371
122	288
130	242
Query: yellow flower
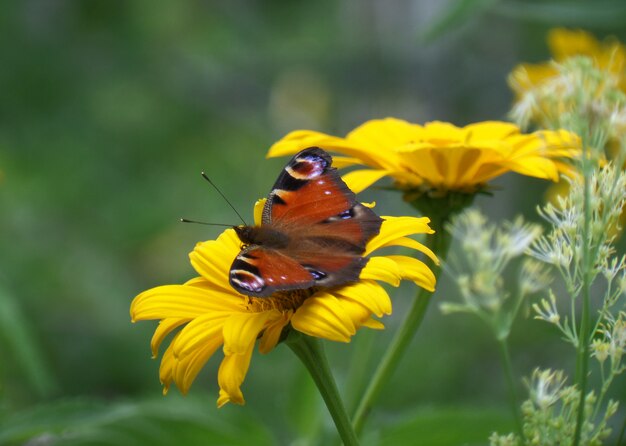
438	157
212	314
609	55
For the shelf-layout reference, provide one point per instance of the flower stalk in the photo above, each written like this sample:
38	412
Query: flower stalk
582	360
311	352
440	242
622	433
510	381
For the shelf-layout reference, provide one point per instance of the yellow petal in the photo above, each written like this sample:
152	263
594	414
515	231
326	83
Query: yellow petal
302	139
413	244
494	130
438	154
212	259
187	368
565	43
181	301
166	368
396	227
441	133
355	311
525	77
183	371
164	328
382	268
380	136
374	324
538	167
240	330
231	374
368	294
258	211
199	331
345	161
272	333
415	270
359	180
240	334
323	316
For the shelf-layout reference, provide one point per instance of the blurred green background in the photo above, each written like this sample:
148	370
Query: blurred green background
110	110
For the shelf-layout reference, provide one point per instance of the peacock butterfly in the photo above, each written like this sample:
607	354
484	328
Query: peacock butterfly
313	232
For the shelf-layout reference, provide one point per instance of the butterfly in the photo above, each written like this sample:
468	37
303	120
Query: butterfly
313	232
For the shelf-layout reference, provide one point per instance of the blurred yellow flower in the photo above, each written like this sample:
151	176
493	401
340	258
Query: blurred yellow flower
608	55
213	314
439	157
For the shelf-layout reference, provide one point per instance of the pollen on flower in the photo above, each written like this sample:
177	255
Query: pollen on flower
282	300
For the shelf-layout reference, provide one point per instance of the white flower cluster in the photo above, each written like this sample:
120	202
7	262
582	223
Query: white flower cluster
586	97
579	91
612	343
550	414
484	252
563	246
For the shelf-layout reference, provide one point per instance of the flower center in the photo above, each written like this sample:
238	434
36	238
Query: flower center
282	300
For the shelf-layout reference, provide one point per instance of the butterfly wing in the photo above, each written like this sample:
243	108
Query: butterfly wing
316	209
313	231
259	272
309	192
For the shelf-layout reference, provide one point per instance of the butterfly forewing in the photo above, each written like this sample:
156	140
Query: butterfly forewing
312	225
309	191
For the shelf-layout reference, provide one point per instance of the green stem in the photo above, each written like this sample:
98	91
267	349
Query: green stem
508	373
311	352
582	360
440	243
620	437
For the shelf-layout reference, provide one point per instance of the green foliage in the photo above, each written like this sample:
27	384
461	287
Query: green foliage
23	350
154	421
442	426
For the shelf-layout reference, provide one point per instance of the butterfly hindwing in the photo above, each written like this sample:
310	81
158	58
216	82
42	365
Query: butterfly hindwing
257	271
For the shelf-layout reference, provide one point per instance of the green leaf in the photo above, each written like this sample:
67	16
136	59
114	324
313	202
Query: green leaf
18	338
447	426
163	421
459	13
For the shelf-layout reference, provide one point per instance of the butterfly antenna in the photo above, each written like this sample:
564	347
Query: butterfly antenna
224	197
186	220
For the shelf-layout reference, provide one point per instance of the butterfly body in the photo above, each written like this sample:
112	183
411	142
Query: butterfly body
313	232
265	236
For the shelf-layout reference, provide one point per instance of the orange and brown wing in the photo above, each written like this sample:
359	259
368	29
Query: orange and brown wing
309	195
313	232
259	272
